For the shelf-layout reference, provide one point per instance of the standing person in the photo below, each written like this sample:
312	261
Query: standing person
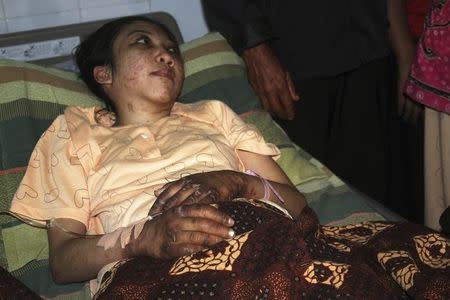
323	70
429	84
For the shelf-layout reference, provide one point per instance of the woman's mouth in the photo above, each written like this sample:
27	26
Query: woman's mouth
165	73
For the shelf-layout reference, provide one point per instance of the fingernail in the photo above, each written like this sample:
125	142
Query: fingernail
230	221
231	233
196	186
159	203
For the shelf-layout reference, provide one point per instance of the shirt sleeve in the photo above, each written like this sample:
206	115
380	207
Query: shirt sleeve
240	135
54	185
243	23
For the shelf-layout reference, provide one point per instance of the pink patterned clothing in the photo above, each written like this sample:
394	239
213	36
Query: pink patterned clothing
105	177
429	80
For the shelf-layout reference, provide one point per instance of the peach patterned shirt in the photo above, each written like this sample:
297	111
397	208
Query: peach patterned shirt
105	177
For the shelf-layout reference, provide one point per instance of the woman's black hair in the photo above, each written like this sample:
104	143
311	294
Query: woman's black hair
97	50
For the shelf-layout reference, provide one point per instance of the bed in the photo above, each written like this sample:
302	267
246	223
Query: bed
38	83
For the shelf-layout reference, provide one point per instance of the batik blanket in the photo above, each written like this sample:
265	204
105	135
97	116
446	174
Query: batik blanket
275	257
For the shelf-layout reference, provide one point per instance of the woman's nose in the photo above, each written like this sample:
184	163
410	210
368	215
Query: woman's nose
165	57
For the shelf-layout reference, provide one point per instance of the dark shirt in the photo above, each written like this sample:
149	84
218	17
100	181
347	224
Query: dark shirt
311	38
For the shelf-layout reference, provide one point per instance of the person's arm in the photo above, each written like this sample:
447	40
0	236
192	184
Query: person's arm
266	167
403	47
248	30
225	185
271	82
76	259
178	231
241	22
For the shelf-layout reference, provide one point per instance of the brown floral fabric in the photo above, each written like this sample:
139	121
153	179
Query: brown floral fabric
274	257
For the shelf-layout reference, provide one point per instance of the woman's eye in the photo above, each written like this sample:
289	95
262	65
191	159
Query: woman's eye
173	50
143	41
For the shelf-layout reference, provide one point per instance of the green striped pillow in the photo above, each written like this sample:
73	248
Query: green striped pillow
30	98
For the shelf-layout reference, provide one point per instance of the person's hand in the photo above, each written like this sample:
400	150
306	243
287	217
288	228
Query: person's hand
208	187
182	230
409	110
271	82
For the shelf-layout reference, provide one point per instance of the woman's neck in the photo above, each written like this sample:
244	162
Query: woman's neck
131	114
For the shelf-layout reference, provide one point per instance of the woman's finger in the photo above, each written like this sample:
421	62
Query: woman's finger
165	193
194	238
181	196
201	195
201	217
177	250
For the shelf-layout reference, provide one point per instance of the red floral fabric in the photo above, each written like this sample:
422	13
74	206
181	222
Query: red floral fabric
429	79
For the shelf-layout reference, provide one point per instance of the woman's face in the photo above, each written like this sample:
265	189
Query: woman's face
147	65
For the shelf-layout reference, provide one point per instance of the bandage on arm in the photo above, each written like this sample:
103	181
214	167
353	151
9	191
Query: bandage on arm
267	189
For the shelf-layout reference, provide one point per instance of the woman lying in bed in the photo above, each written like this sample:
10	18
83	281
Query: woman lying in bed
158	181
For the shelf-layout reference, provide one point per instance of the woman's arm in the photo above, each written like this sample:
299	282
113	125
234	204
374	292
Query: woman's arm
266	167
178	231
216	186
76	259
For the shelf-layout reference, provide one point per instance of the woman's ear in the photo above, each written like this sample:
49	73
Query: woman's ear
102	74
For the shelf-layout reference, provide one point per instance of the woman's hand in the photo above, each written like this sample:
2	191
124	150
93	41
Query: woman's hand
182	230
208	187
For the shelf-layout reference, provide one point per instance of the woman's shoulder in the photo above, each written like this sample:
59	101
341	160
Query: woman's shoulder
72	115
92	115
86	111
201	107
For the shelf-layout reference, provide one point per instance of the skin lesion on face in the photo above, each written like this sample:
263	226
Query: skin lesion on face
130	107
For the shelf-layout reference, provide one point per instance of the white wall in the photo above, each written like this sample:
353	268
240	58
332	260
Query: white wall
20	15
188	14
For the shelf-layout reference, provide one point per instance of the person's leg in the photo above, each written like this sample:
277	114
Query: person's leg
359	150
437	166
345	122
342	122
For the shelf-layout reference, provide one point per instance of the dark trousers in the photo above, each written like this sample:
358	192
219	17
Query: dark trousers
349	123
